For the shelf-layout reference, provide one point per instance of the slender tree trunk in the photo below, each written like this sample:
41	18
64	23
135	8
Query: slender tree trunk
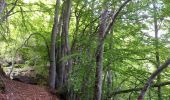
156	47
103	32
99	58
109	81
77	16
62	55
2	5
59	71
66	17
52	70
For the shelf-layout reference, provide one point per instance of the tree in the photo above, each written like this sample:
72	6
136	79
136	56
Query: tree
103	31
99	57
157	55
65	32
97	49
52	69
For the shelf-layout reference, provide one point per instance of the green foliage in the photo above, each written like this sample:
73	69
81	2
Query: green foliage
129	49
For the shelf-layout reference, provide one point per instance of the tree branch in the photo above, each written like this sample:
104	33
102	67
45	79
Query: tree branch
152	77
114	16
46	43
137	89
9	12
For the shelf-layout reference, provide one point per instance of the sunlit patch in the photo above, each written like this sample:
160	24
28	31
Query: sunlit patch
26	1
30	1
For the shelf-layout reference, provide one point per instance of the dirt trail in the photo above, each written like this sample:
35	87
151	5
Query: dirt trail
20	91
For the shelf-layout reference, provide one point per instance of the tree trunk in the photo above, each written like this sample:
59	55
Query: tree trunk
103	32
99	58
68	64
156	47
52	70
58	56
2	77
2	5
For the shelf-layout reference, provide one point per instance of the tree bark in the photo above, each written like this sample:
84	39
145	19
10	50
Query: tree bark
99	58
61	68
2	6
66	46
52	69
103	32
152	77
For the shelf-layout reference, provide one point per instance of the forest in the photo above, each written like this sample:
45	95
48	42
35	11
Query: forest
84	49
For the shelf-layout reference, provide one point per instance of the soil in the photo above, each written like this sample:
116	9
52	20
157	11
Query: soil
15	90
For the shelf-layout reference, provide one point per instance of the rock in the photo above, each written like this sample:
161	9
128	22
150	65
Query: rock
30	72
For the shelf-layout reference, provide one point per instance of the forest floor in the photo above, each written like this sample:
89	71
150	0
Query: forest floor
15	90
